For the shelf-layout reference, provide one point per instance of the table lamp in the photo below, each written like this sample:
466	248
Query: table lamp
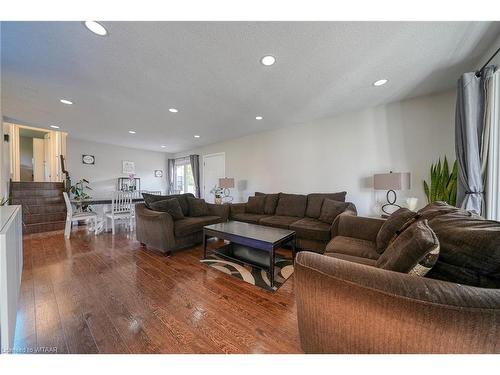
226	183
391	182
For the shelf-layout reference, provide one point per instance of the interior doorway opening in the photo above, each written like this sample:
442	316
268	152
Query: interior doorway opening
35	153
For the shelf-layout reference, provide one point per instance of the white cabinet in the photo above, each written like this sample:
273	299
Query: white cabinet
11	267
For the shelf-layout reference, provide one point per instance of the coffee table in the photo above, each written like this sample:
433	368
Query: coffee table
251	244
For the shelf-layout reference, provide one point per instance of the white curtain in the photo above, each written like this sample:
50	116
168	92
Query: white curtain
491	147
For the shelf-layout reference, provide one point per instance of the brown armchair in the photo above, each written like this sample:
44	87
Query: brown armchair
347	307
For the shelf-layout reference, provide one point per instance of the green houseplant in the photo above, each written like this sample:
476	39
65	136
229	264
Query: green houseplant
78	191
443	183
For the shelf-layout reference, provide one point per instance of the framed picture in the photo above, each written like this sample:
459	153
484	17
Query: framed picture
88	159
158	173
128	167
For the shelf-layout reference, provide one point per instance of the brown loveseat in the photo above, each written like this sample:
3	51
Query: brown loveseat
296	212
159	230
345	304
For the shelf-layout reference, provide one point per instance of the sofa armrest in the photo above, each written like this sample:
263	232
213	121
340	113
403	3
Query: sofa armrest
238	208
221	210
364	228
154	228
346	307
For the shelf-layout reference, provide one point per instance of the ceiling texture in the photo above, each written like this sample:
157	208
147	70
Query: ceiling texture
211	72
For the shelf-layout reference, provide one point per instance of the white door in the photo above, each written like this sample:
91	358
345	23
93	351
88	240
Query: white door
38	160
214	167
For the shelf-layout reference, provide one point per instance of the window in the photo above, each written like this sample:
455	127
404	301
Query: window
184	181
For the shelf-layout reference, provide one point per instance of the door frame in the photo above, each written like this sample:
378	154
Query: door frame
203	168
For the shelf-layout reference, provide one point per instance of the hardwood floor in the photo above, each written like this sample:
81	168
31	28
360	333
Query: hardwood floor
106	294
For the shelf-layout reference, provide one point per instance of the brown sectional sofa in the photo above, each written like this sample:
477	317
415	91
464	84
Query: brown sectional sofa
159	231
295	212
345	304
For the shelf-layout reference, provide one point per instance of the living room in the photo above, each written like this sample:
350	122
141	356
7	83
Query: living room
270	185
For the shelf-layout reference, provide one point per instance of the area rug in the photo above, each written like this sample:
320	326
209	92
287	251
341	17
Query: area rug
253	275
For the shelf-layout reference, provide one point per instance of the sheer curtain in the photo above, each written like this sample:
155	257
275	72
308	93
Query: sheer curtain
491	147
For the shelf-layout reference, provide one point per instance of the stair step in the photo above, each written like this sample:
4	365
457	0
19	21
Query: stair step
43	218
45	209
37	201
43	227
35	193
36	185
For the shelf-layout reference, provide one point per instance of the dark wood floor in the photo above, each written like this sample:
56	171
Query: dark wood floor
106	294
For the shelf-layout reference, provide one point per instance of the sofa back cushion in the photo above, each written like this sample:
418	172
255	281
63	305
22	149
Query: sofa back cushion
315	202
197	207
331	209
291	205
256	205
470	249
182	198
271	202
170	206
392	227
414	251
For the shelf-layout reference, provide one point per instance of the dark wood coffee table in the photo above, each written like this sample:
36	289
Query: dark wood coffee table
250	243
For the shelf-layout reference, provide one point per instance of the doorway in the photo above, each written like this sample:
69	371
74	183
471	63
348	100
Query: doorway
32	162
214	167
34	153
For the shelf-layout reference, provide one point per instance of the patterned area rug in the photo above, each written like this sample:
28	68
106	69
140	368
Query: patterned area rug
252	275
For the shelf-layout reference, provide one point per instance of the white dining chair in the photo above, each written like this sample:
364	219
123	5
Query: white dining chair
121	209
72	216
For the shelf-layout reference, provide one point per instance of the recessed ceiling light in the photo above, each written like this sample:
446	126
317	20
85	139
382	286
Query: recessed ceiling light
131	131
54	126
163	146
380	82
268	60
259	118
66	101
96	28
196	136
173	110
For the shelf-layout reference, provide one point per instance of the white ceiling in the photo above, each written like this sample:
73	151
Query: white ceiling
211	72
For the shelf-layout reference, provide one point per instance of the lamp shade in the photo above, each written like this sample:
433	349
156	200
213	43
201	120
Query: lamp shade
226	183
392	181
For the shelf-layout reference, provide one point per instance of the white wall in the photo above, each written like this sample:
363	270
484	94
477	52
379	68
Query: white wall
108	166
344	152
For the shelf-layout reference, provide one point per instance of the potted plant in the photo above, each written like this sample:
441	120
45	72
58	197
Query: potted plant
443	183
79	194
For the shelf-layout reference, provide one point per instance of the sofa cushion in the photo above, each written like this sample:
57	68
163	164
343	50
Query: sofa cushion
414	251
352	258
278	221
256	204
392	227
470	249
197	207
182	198
352	246
331	209
291	205
271	202
248	218
170	206
189	225
315	202
311	229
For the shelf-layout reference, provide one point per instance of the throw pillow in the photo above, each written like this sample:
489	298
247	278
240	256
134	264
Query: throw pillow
392	226
197	207
271	202
331	209
170	206
415	251
256	205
